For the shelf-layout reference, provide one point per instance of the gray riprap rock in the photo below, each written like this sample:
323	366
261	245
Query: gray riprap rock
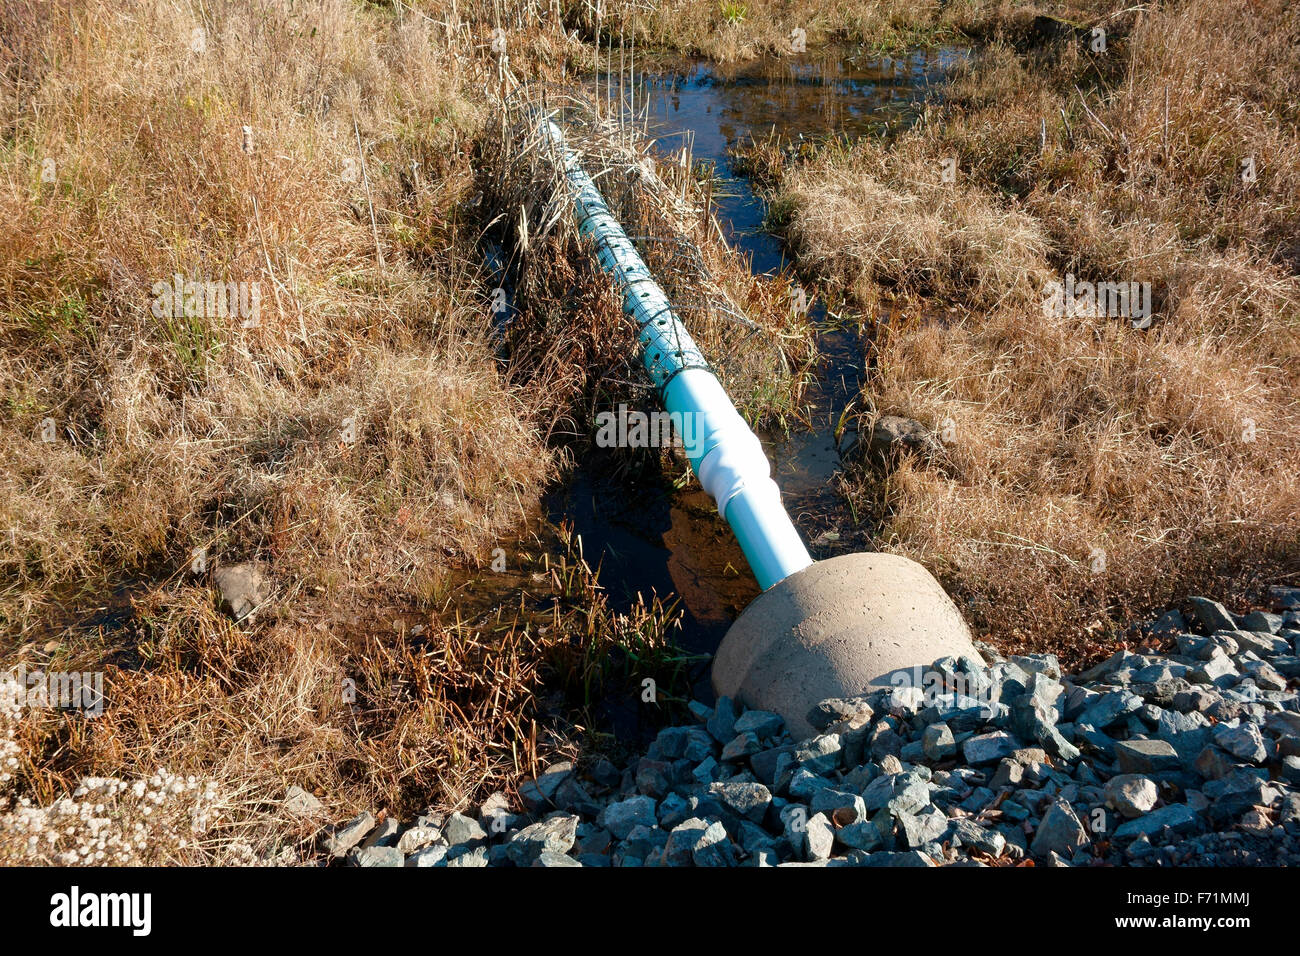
243	587
349	834
556	835
905	701
1171	724
1060	832
1265	676
1263	621
803	785
435	855
551	858
760	722
1034	719
838	708
538	793
818	838
1131	795
1290	771
1045	664
938	742
468	856
378	856
1109	709
1146	756
301	803
1264	645
900	793
1237	793
741	746
1212	615
820	755
680	848
923	827
748	800
654	777
1243	741
1179	817
860	836
416	838
461	829
619	818
975	837
764	763
722	725
841	807
713	848
1213	764
989	748
1218	670
1009	774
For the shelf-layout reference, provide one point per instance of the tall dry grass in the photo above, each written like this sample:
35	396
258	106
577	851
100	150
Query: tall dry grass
359	437
1096	470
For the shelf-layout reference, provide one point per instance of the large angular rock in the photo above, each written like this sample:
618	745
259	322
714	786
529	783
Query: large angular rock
619	818
1243	741
1212	615
1059	832
1146	756
989	748
1178	817
555	835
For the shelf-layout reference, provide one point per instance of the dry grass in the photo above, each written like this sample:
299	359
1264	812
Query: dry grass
1097	471
734	30
359	436
362	436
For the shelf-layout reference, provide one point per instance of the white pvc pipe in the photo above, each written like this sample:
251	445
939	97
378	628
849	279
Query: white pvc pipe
726	455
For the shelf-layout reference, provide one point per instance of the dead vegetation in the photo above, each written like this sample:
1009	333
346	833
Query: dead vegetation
1096	469
358	429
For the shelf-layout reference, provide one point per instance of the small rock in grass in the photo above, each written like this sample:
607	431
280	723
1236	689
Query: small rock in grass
301	803
350	834
1212	615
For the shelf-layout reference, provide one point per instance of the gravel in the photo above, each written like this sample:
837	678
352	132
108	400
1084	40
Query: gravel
1186	756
